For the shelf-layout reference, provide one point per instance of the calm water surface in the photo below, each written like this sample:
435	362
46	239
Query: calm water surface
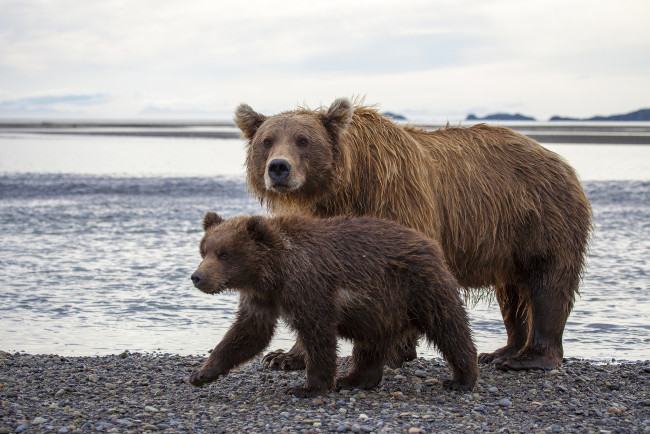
99	236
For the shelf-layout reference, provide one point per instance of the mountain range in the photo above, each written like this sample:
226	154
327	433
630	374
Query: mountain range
639	115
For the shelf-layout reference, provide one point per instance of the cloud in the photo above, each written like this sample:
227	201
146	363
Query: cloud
52	104
50	100
225	36
209	56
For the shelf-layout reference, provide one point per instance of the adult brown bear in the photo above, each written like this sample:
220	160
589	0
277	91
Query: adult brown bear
508	213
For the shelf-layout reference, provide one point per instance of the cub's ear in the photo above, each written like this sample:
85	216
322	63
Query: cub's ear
211	219
258	229
339	116
248	120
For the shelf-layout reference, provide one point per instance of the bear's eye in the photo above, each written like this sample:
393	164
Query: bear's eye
302	142
267	143
223	255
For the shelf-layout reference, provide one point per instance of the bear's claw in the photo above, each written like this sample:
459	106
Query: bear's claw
202	377
282	361
196	379
525	359
523	363
499	355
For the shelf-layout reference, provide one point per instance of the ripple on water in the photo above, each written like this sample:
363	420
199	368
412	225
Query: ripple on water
101	264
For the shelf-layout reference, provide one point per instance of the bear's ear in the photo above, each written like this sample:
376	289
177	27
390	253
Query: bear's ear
211	219
339	116
258	229
248	120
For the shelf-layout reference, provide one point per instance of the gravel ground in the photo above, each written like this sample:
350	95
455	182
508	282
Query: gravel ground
134	392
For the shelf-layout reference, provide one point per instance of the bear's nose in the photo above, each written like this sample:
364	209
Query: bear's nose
279	169
197	278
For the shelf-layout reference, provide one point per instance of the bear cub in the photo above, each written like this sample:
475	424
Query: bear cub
365	279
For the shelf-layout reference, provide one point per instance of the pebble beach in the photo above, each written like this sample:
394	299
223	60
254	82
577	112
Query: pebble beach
133	393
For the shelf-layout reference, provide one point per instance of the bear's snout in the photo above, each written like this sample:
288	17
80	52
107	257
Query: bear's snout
279	169
197	278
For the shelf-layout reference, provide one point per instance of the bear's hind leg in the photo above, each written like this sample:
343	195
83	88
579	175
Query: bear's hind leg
551	296
514	312
367	368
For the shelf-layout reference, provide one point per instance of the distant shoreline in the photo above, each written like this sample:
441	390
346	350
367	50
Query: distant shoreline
617	133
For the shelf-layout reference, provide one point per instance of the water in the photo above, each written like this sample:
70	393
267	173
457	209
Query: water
99	236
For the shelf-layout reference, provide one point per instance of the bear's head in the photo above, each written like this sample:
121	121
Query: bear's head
237	253
294	153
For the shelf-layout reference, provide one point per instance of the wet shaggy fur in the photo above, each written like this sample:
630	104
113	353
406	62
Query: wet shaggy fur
509	214
368	280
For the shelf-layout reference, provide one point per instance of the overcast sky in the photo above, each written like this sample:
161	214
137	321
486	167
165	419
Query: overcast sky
430	59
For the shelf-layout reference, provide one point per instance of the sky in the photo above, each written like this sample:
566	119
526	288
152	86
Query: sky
430	60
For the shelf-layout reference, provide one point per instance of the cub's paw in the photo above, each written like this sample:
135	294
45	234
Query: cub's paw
202	377
282	361
454	385
302	392
350	382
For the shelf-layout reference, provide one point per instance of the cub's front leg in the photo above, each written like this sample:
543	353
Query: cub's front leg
248	336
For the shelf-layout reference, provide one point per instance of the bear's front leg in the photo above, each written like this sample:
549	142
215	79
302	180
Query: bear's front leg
320	360
248	336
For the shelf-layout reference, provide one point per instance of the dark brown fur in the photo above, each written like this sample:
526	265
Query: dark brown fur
508	213
368	280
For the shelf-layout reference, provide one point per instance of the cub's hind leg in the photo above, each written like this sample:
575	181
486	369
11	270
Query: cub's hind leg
367	368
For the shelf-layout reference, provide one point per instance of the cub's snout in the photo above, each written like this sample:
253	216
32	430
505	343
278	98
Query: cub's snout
197	278
205	284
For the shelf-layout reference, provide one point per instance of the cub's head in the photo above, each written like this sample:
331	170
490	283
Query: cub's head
237	253
294	154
